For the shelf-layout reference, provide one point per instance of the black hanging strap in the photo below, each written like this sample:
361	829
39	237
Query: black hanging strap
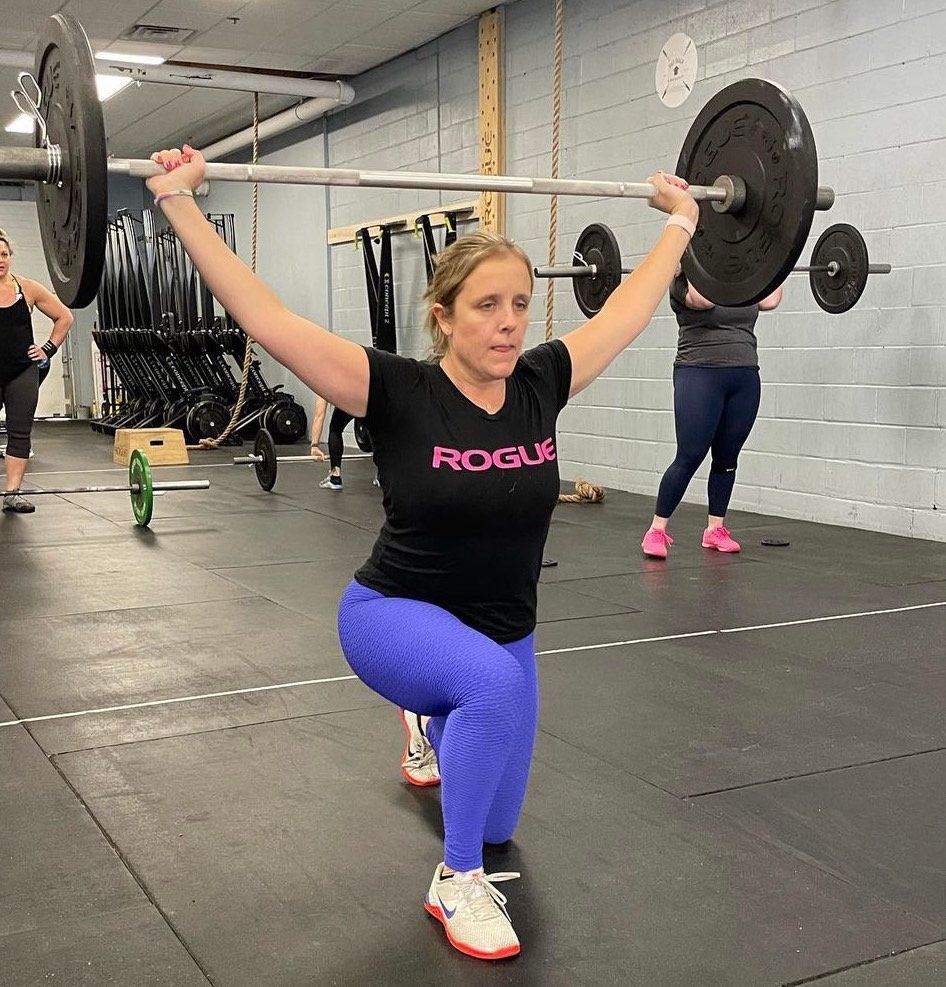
450	221
379	281
386	320
430	248
430	245
371	280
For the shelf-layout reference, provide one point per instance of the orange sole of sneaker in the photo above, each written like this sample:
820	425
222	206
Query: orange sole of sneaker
503	954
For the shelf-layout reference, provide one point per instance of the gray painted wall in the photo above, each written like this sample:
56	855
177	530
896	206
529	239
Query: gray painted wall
851	429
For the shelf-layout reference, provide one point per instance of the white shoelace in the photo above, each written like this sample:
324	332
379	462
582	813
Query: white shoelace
482	898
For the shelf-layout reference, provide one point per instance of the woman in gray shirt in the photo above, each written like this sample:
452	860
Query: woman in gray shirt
715	402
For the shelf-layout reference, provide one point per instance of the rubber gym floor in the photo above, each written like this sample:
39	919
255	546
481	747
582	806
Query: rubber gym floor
738	779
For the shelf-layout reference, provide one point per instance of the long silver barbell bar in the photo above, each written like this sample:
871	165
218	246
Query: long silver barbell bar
124	488
591	271
252	459
43	165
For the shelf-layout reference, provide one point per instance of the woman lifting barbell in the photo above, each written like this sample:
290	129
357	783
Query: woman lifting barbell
19	357
716	394
441	618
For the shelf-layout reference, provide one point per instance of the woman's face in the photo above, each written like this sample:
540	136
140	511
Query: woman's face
6	258
487	325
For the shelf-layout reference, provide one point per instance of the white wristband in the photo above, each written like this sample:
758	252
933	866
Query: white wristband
683	223
167	195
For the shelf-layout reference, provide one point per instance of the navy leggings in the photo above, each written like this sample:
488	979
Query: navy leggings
714	410
336	444
482	698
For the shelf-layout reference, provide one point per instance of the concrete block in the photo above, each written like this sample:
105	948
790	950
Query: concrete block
926	447
771	40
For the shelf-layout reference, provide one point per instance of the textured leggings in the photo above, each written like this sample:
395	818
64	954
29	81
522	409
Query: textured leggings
714	408
18	397
482	698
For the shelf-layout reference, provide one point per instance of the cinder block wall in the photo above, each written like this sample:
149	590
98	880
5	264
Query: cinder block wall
851	429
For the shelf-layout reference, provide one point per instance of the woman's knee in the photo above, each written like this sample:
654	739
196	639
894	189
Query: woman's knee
18	444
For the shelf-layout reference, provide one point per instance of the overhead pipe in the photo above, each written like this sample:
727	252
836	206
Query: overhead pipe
209	77
295	116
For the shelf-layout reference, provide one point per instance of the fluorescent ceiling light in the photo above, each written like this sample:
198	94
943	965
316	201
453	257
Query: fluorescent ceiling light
23	124
114	56
108	85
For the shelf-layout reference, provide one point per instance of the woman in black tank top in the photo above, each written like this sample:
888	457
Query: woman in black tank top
19	357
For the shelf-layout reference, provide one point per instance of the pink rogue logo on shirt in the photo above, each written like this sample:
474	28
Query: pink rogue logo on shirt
507	458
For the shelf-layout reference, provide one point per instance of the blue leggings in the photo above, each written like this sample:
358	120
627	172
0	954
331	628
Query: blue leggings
714	409
482	698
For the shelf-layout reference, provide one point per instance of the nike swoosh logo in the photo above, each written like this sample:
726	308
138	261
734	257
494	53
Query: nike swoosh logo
444	908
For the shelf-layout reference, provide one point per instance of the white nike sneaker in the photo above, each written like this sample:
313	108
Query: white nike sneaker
332	482
473	913
419	760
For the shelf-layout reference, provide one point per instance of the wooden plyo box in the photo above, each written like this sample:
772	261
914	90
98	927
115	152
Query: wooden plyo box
162	446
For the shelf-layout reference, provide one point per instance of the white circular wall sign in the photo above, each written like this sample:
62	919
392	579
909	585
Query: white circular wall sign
676	70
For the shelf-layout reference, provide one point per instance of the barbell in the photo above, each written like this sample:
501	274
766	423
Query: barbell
749	157
838	271
266	462
140	486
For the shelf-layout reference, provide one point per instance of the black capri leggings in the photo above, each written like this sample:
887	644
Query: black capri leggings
714	409
336	444
18	397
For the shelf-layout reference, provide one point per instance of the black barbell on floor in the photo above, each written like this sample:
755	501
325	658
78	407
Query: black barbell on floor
838	271
266	462
140	486
750	159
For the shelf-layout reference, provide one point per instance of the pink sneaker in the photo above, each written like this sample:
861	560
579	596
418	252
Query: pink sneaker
655	543
720	539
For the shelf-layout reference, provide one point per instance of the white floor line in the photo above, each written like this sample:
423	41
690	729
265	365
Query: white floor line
621	644
179	699
554	651
839	616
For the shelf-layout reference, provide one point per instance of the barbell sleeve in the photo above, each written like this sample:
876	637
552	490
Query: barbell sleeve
568	271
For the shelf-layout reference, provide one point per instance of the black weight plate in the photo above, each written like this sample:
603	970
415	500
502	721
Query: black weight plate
775	542
207	419
72	214
362	438
843	244
597	245
286	421
266	468
757	131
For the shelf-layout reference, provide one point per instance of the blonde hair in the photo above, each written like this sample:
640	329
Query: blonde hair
454	265
6	240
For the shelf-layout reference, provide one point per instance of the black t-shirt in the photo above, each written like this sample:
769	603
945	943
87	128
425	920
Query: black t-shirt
468	496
